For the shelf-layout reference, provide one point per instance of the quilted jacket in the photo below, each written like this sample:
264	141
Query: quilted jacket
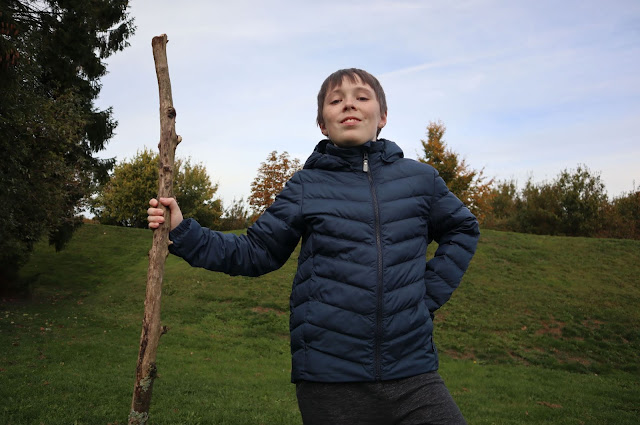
363	297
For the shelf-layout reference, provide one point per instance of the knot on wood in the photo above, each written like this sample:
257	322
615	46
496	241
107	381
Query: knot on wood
152	372
171	112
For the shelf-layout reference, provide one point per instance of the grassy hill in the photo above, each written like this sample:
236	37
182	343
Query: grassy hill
542	330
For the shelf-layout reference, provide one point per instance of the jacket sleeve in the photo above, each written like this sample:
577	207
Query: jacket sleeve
266	246
456	231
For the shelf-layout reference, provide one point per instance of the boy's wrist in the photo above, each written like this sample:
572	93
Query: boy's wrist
180	229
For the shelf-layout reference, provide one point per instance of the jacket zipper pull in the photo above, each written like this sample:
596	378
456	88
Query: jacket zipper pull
365	163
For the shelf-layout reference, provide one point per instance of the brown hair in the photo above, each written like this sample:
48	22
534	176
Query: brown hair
353	74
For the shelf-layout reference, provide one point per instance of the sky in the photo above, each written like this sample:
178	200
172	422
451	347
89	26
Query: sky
526	89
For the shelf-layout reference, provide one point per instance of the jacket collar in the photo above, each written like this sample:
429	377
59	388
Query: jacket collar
328	156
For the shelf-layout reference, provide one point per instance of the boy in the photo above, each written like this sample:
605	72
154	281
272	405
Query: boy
363	298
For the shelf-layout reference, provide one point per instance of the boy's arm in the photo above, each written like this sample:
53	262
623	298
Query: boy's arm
266	246
456	231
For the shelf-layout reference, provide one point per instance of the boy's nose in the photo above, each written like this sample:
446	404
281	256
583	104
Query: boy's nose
349	104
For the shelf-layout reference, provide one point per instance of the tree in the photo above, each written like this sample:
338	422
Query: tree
271	178
582	199
235	216
122	200
573	204
467	184
501	206
53	55
195	192
622	217
537	209
570	205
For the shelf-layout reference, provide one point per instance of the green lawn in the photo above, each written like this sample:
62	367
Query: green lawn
542	330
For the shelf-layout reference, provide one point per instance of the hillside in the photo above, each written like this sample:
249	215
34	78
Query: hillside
541	329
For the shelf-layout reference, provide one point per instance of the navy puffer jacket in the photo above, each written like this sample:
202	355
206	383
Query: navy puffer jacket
363	297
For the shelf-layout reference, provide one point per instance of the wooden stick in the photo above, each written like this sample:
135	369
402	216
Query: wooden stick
151	329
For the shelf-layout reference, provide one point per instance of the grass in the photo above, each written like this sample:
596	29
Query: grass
542	330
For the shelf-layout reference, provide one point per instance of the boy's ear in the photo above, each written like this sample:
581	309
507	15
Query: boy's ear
323	129
383	121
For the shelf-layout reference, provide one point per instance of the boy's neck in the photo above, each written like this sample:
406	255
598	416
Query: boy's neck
353	146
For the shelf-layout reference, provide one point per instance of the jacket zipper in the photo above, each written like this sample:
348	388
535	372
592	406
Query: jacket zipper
379	291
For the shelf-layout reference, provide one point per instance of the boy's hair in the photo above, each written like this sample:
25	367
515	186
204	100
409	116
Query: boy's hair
353	74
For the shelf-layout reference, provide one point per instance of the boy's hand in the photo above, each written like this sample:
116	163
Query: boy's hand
156	215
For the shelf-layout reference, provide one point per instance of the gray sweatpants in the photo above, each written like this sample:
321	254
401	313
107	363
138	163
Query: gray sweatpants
421	399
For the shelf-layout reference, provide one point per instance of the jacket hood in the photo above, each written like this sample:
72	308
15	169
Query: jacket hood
328	156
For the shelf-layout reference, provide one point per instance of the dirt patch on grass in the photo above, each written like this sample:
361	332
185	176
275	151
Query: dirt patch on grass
518	358
441	316
592	323
264	310
551	327
534	349
582	361
457	355
550	405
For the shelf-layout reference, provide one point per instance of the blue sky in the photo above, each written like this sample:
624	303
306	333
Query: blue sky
525	88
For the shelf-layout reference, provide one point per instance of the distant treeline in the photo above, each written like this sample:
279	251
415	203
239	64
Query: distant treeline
575	203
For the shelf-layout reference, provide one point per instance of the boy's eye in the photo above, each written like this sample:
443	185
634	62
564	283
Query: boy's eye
363	98
334	102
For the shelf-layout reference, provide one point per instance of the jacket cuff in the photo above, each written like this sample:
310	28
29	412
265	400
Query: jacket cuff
178	233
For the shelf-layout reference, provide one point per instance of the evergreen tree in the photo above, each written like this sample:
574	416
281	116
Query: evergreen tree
53	53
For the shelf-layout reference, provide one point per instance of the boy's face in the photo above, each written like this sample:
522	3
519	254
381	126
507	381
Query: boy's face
351	114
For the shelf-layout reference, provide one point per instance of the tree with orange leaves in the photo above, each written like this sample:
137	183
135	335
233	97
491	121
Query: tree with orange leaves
271	178
469	185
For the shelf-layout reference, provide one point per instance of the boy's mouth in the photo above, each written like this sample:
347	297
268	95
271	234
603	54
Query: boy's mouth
350	120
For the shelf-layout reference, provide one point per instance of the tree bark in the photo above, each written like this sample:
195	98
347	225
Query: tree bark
151	329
